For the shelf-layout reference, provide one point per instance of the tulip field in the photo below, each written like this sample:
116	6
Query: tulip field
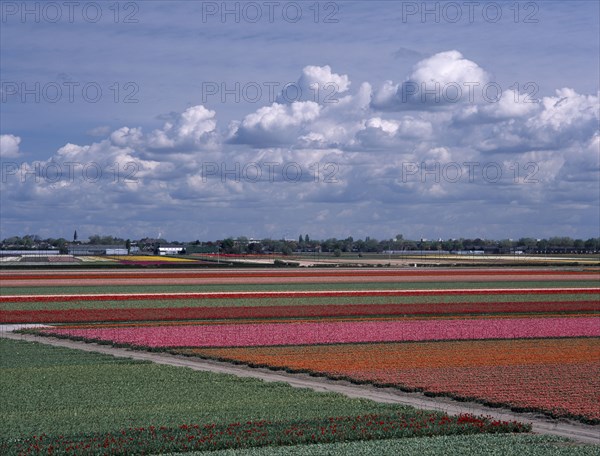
523	339
308	333
63	401
555	376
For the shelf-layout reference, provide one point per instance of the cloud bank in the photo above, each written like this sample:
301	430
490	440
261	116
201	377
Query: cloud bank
444	152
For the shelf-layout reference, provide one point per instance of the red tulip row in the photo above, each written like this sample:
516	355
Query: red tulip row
289	311
211	437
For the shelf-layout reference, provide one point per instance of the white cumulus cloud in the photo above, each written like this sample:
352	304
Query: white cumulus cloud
9	146
444	79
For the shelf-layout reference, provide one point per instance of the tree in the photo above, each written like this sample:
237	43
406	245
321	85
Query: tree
61	243
359	245
75	236
528	243
227	245
592	244
241	244
371	245
543	245
128	246
94	239
255	247
458	244
306	239
337	253
505	245
560	241
329	244
447	245
300	240
348	244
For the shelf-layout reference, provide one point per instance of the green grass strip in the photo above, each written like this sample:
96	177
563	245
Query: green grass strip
222	288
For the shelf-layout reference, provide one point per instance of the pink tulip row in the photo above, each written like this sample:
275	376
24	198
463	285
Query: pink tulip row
299	333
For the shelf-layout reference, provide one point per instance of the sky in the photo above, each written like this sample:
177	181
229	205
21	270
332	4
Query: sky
202	120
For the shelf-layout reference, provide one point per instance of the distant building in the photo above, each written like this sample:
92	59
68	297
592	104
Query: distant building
116	252
89	249
170	250
415	252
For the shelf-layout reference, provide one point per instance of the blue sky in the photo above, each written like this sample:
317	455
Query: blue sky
429	120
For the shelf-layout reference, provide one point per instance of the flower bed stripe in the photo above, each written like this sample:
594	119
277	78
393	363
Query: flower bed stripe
288	311
306	333
271	273
290	294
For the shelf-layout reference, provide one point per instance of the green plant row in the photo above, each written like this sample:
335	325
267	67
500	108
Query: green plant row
223	288
55	390
455	445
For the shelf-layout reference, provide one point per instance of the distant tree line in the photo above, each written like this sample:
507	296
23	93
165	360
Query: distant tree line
304	244
398	244
34	242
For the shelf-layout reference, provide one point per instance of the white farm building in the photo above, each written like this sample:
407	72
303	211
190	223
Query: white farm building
171	250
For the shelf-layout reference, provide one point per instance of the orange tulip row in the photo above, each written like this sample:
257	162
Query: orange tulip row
560	377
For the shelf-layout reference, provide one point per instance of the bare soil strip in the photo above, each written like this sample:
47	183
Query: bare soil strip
576	431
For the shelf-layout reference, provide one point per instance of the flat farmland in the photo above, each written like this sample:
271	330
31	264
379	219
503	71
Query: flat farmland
54	278
58	400
76	296
559	377
520	339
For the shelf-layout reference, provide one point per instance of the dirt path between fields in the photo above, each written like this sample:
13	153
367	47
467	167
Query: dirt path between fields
576	431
